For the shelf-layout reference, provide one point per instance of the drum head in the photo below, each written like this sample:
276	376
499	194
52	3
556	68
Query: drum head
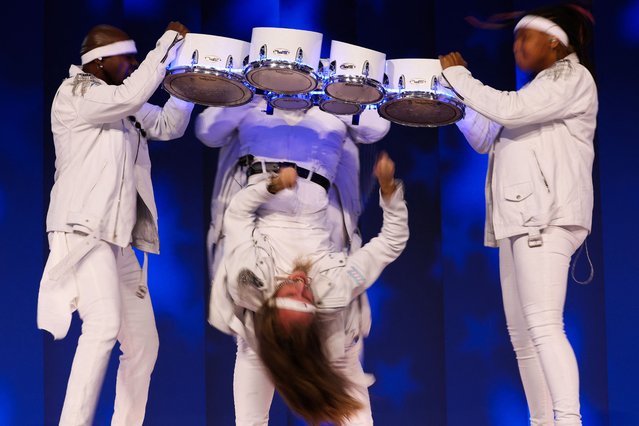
336	107
422	111
208	88
291	103
281	77
354	89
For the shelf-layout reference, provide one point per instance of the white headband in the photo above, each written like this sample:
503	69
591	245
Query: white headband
118	48
293	305
544	25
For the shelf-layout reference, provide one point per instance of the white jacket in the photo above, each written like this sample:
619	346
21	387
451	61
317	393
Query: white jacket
102	161
540	145
338	280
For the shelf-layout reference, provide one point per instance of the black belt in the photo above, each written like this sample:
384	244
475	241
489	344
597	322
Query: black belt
274	167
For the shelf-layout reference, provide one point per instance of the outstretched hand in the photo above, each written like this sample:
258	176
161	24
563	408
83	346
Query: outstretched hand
452	59
385	173
286	178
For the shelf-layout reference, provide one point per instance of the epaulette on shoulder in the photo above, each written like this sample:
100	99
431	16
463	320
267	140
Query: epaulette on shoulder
82	82
560	69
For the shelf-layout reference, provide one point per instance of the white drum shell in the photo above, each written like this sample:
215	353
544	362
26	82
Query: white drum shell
417	74
283	43
350	59
211	51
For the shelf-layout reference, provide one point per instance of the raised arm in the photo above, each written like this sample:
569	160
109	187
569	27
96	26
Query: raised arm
103	103
556	93
371	128
362	268
214	125
165	123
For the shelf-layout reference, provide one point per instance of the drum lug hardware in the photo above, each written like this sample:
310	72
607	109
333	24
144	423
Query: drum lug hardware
195	57
263	52
300	55
366	68
434	83
401	85
229	62
333	67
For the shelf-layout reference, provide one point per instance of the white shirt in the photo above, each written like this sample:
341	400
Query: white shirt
540	145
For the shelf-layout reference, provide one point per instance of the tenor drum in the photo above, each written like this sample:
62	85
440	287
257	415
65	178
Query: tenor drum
356	74
208	71
302	101
414	96
338	107
284	60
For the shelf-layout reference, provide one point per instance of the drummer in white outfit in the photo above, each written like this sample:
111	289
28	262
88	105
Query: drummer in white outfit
256	248
314	140
102	204
539	194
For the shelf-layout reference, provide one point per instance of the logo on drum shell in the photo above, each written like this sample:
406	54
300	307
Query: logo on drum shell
213	58
281	51
420	81
347	66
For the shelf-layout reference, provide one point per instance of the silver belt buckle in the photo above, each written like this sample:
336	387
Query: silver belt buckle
534	238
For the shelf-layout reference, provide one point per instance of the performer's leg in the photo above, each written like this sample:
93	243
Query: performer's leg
532	375
99	308
542	274
139	344
252	388
351	366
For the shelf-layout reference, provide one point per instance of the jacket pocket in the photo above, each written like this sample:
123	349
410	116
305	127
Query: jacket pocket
518	192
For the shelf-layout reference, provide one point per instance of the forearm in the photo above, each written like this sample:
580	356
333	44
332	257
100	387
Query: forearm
542	100
169	122
240	216
371	128
215	124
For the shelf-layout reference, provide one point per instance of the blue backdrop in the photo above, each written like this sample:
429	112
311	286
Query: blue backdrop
438	348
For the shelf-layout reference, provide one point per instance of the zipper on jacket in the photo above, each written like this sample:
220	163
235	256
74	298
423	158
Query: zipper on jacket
117	210
541	173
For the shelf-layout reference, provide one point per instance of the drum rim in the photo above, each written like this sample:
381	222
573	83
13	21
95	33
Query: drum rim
350	78
234	77
415	94
281	64
199	69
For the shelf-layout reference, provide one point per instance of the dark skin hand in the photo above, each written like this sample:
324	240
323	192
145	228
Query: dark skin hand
451	60
178	27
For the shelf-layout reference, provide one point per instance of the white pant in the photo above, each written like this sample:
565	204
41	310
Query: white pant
533	282
253	389
106	280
